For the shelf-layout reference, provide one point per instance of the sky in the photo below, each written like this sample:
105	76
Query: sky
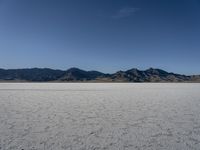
104	35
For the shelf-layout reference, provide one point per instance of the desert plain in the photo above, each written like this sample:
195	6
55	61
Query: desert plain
99	116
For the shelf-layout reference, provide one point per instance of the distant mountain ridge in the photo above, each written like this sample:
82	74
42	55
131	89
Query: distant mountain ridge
78	75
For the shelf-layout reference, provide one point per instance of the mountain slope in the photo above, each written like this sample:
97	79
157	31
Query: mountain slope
75	74
149	75
34	74
78	75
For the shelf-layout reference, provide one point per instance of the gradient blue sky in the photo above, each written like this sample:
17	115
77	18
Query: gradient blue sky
104	35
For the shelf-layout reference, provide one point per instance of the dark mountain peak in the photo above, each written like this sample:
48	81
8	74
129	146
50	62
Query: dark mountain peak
74	69
152	69
119	72
133	71
156	71
76	74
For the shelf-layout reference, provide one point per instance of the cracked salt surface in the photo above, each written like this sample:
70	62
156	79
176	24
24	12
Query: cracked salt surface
99	116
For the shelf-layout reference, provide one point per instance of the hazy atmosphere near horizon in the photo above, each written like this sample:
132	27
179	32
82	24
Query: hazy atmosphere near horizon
104	35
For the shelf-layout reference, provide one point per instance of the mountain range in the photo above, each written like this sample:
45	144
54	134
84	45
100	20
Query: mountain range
78	75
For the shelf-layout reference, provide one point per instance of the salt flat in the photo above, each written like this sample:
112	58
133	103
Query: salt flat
99	116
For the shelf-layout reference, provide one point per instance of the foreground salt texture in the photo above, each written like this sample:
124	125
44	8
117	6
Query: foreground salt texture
99	116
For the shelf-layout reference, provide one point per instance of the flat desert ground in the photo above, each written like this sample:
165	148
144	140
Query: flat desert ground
99	116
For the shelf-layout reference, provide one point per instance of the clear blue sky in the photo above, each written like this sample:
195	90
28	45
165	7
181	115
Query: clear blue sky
104	35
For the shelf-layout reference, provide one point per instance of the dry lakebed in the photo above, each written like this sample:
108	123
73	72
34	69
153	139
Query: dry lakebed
99	116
